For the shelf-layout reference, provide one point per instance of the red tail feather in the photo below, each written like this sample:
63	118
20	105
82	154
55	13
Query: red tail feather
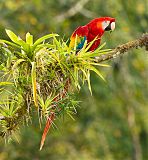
47	126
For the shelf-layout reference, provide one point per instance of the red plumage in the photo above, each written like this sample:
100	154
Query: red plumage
94	29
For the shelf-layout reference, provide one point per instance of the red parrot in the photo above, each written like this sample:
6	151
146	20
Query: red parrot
94	29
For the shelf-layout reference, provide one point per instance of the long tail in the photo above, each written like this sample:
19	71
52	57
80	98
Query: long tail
52	116
46	129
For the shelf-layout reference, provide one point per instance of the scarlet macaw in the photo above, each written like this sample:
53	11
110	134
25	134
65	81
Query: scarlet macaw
94	29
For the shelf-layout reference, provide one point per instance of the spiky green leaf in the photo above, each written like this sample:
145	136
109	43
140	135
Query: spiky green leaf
29	39
12	36
34	84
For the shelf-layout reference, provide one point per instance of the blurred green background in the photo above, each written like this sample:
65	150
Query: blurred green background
113	123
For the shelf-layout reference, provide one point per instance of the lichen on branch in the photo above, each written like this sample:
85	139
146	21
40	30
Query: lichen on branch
121	49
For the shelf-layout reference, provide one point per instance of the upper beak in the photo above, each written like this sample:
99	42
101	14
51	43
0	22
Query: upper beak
112	26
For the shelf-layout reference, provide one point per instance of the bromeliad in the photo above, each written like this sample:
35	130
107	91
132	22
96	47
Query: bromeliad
91	32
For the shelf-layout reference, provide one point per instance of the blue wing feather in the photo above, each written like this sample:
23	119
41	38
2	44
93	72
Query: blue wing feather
81	44
81	33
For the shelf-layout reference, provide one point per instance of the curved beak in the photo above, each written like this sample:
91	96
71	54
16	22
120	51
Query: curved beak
110	27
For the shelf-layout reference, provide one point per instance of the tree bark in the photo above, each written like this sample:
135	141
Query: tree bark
121	49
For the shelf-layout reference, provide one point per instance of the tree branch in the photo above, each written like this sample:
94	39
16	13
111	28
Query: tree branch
72	11
121	49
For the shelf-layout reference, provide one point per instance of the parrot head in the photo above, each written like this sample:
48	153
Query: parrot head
106	23
102	24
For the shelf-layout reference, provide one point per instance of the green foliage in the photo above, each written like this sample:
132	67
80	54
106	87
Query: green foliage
42	73
102	130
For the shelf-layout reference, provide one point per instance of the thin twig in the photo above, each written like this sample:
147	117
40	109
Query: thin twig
72	11
87	13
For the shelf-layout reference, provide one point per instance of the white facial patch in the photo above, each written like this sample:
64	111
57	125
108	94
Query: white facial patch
105	24
112	26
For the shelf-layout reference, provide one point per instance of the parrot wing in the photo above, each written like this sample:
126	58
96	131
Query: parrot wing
80	35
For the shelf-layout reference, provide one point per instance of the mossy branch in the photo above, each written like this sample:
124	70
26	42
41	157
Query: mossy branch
121	49
65	65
